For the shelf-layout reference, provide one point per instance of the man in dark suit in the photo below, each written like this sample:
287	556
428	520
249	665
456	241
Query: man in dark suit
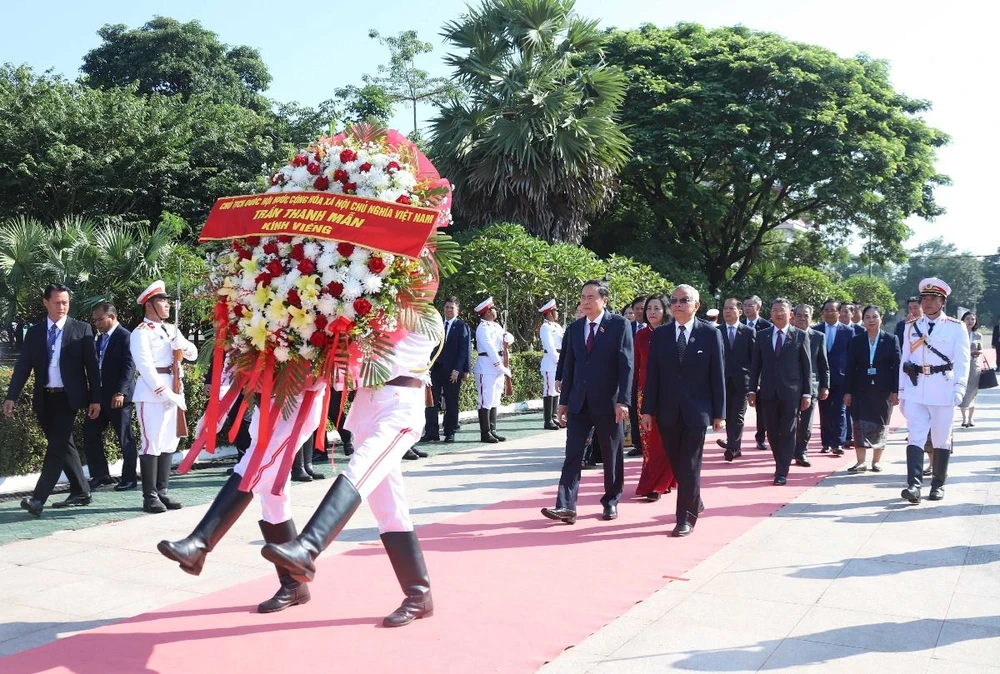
832	411
60	351
738	342
913	312
449	370
996	343
781	384
596	392
114	360
638	311
752	317
686	393
820	381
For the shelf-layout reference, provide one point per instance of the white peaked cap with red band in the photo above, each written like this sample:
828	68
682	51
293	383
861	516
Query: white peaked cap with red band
712	313
155	288
548	306
935	286
484	305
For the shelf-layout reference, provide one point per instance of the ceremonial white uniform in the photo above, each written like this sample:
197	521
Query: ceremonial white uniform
386	422
489	368
929	406
551	335
152	345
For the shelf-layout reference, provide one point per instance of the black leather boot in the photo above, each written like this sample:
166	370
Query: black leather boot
484	427
299	473
164	464
547	413
407	560
150	499
493	425
227	507
555	412
298	555
307	461
940	474
914	473
292	592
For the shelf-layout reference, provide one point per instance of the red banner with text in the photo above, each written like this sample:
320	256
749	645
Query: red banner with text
400	229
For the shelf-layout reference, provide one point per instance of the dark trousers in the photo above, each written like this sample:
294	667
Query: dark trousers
120	421
833	418
781	419
446	392
56	420
803	433
609	434
736	411
336	399
684	446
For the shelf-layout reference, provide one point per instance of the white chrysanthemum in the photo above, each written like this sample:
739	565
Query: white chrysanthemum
327	306
282	354
328	276
293	276
343	273
405	179
359	270
308	351
312	250
346	309
291	187
390	194
306	331
372	283
273	188
360	254
352	290
380	160
301	176
327	260
248	282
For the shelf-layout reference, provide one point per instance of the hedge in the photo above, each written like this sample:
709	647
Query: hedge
22	443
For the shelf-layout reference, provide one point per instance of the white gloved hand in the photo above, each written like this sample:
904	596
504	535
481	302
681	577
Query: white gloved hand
506	371
957	396
508	338
175	399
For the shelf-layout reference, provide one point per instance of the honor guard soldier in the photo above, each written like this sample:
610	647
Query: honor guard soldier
490	369
153	344
932	377
551	335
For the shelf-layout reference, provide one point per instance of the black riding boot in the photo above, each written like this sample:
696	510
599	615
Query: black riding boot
493	425
227	507
940	468
407	560
292	592
914	473
299	473
307	460
298	555
549	412
163	466
484	427
150	499
555	412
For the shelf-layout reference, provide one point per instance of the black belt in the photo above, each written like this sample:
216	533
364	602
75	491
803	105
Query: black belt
55	389
483	354
166	370
910	367
408	382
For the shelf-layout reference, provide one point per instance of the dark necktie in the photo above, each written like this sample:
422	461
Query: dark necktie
732	336
590	337
53	336
778	344
681	344
447	329
102	343
930	328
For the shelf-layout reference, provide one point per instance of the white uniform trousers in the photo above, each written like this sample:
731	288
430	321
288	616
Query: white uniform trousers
386	422
921	419
157	428
278	509
549	383
489	388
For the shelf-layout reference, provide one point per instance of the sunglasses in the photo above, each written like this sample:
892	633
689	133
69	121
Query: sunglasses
681	300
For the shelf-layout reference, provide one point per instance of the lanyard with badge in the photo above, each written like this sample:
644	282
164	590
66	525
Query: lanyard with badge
872	346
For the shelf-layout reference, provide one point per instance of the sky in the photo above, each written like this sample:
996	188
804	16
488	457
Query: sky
941	52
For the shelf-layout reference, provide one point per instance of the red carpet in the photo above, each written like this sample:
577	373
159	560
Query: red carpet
512	589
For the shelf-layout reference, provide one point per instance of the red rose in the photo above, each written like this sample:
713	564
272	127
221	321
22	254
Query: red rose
271	248
365	168
340	175
392	167
350	188
335	289
234	329
307	267
347	155
313	168
238	311
321	322
294	299
321	183
284	238
318	339
263	280
376	265
345	249
298	252
244	254
403	199
274	268
362	306
300	160
276	178
253	241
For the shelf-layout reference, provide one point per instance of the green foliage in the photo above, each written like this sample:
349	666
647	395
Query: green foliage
536	140
735	132
937	257
989	306
527	381
796	284
870	290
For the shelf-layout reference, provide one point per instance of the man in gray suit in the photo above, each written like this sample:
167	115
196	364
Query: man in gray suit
820	381
781	379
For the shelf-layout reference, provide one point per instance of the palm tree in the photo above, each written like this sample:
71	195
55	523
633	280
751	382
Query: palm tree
535	141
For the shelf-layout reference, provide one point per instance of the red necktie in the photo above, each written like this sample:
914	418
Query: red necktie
590	337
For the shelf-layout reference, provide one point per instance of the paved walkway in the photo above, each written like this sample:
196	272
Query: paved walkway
845	577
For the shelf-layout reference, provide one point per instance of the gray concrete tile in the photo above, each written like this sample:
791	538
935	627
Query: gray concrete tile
798	656
893	589
870	631
971	644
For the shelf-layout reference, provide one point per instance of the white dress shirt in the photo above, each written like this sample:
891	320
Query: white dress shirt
586	325
687	329
55	374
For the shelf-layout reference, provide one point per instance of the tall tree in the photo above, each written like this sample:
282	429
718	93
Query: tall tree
735	132
165	56
536	141
937	257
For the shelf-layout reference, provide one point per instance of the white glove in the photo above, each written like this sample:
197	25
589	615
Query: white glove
508	338
175	399
957	396
506	371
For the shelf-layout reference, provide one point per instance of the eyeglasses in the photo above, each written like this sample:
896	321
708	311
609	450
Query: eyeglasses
681	300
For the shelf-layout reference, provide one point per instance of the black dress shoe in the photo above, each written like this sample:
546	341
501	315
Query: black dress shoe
101	483
32	506
911	494
825	450
610	512
560	514
429	438
652	496
804	462
127	485
301	476
634	452
761	446
722	443
348	450
410	455
682	530
780	481
729	455
421	454
449	438
73	501
837	451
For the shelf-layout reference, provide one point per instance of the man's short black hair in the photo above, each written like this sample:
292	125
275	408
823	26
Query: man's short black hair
453	300
602	289
912	300
56	288
828	300
641	298
107	308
